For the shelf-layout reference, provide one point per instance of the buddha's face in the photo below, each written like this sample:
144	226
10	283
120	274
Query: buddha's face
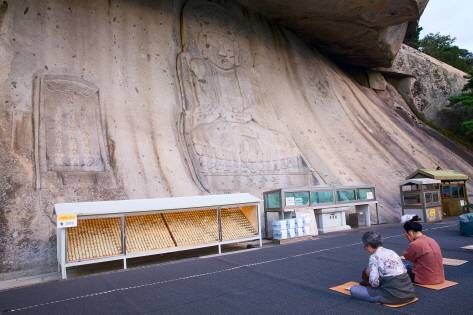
220	49
218	40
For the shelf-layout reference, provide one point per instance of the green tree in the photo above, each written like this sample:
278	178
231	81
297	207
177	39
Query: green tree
413	35
460	111
468	88
443	48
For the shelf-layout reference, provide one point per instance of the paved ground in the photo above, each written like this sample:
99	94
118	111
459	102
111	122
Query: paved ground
282	279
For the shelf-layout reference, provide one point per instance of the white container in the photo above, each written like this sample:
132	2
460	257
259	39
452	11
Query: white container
299	223
291	233
291	223
280	235
300	232
279	225
306	230
308	217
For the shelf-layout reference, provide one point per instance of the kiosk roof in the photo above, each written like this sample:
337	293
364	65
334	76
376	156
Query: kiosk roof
439	174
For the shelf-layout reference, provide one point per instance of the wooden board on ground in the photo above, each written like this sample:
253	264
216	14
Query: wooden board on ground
446	284
403	304
345	289
454	262
468	247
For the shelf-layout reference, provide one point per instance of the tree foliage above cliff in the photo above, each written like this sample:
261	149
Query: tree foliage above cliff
460	112
458	116
443	48
413	35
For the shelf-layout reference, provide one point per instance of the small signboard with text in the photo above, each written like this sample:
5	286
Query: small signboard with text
66	220
290	201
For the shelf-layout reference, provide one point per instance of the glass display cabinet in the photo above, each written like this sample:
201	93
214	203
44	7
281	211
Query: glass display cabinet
326	204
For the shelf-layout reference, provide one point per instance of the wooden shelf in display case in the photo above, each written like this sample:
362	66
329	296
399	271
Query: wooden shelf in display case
238	223
94	238
147	233
193	227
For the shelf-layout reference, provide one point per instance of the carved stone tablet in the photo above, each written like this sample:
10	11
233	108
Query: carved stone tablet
68	125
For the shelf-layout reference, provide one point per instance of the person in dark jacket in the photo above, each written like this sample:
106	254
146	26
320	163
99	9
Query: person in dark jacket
387	278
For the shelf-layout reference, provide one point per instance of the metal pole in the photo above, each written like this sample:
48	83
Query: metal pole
123	238
63	254
219	223
122	232
377	215
265	223
258	213
58	249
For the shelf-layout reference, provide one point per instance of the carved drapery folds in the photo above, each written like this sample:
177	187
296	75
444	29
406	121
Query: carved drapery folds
230	134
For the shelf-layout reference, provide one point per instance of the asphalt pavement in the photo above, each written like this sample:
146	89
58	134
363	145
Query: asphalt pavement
291	278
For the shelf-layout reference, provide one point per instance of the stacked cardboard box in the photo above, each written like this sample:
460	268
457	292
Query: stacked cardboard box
280	229
303	226
290	228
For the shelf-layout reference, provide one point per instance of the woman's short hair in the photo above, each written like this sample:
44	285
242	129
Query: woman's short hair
413	225
372	239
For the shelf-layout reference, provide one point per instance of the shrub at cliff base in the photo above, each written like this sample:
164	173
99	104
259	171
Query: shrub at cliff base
459	113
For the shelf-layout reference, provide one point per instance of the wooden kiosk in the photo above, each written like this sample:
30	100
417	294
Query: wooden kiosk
94	232
452	187
421	196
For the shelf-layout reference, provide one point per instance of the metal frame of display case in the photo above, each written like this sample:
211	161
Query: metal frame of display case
125	208
335	203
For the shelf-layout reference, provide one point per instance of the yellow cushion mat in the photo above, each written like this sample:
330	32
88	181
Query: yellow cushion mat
345	289
446	284
454	262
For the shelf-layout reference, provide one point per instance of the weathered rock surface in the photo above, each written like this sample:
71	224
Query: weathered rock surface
362	33
113	99
425	82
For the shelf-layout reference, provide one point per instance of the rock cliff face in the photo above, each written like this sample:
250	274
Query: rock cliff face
425	82
126	99
362	33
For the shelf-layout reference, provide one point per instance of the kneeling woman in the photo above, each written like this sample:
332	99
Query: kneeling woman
424	253
388	281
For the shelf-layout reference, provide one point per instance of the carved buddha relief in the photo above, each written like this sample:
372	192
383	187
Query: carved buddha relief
228	131
68	128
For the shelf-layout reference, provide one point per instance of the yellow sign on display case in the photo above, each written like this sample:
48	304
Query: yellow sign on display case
432	213
66	220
